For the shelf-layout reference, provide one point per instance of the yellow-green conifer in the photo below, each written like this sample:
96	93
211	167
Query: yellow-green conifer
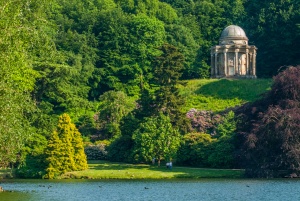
79	155
65	133
53	152
65	149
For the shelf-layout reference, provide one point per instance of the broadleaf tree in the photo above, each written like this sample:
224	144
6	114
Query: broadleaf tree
156	138
19	37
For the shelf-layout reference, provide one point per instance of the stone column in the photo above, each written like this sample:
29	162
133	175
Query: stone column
216	64
247	62
250	63
254	63
212	66
225	62
236	66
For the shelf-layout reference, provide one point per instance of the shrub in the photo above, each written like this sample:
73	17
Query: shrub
222	153
120	149
195	149
96	152
215	149
203	121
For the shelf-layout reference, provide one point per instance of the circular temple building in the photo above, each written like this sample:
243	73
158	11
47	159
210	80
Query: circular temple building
233	57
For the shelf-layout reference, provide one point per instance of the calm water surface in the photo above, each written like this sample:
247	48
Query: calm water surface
183	190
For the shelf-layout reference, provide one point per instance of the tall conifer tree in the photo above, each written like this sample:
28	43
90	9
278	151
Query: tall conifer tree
65	149
79	155
54	156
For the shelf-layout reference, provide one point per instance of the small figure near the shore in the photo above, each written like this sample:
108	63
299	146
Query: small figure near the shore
1	189
169	165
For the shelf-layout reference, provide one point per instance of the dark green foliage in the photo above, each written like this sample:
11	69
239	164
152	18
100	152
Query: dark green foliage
206	19
215	149
168	66
121	149
222	153
272	27
96	152
86	125
167	71
181	37
202	150
114	105
126	45
195	150
270	129
227	126
34	164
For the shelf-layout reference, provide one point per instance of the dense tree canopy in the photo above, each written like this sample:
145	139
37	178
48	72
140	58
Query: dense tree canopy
272	27
115	66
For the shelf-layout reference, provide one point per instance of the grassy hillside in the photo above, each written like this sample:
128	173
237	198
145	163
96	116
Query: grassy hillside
219	94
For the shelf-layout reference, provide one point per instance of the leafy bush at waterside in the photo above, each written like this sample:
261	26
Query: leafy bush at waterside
214	146
156	138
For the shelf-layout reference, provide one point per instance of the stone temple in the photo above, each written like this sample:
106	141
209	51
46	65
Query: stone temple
233	57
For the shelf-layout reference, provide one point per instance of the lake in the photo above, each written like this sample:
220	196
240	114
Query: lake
151	190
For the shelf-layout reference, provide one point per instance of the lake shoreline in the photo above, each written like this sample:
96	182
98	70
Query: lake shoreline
110	170
106	170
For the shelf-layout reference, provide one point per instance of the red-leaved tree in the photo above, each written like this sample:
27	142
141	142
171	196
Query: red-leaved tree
270	130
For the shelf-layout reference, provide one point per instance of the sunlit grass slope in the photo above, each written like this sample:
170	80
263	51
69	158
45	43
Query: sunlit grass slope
109	170
219	94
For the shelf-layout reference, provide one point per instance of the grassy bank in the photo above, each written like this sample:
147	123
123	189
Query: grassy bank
109	170
219	94
6	173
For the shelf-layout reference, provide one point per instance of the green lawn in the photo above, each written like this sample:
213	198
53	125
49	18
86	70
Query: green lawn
219	94
109	170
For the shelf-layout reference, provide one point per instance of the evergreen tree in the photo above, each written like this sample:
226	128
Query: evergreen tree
65	150
65	133
54	158
167	71
80	159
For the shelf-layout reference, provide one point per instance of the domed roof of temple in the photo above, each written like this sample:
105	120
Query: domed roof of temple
233	33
